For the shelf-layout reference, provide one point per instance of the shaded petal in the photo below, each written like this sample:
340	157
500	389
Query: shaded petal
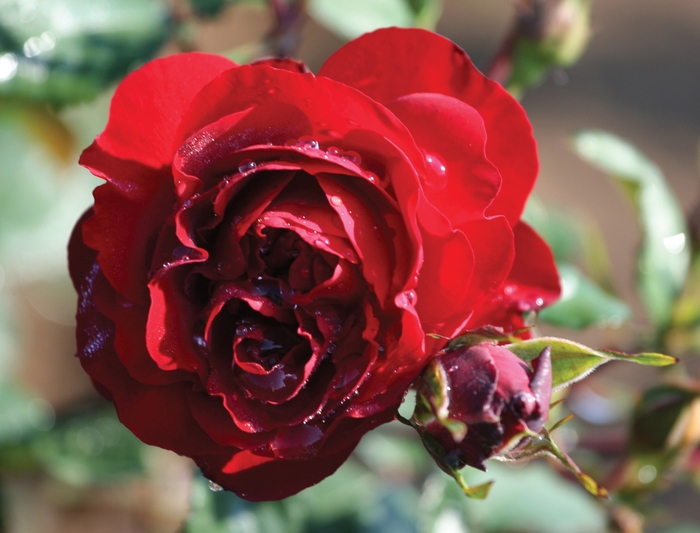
157	414
128	213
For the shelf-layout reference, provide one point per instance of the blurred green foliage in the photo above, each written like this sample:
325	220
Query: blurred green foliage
664	255
68	51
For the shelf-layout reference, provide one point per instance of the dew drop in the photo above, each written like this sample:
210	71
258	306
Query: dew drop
336	200
246	165
411	297
353	157
539	302
371	177
307	142
215	487
334	151
435	164
438	177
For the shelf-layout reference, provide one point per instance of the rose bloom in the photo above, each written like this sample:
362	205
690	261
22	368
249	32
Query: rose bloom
260	271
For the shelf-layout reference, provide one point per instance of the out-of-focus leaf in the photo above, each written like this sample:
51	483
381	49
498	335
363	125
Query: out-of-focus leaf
532	498
664	256
66	51
684	334
426	12
666	417
208	8
40	197
572	238
583	304
22	415
352	18
93	447
572	361
560	229
353	500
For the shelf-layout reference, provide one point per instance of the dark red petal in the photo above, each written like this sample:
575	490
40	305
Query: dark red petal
149	104
171	322
261	478
158	415
129	211
392	62
473	376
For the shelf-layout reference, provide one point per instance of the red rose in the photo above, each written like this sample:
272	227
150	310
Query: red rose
260	270
476	402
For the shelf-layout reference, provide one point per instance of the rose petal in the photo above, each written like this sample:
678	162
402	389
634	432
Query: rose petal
453	138
391	62
127	215
147	107
532	283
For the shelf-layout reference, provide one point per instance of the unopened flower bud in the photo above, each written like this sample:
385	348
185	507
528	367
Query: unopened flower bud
476	402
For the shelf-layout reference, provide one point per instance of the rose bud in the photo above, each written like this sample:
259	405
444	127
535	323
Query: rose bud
476	402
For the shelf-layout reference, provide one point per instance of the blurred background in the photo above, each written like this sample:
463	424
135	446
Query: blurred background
67	465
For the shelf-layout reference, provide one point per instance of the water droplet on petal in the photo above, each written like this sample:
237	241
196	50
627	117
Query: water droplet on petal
412	297
332	150
435	164
215	487
353	157
406	299
307	142
371	177
246	165
336	200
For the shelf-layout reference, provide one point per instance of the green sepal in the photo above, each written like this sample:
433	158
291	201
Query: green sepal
543	444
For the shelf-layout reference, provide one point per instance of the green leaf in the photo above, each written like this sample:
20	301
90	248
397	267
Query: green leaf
351	18
572	361
583	304
66	51
664	255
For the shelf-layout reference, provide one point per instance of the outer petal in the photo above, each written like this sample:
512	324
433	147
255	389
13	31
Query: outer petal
257	478
390	63
532	283
459	180
128	212
158	415
149	104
